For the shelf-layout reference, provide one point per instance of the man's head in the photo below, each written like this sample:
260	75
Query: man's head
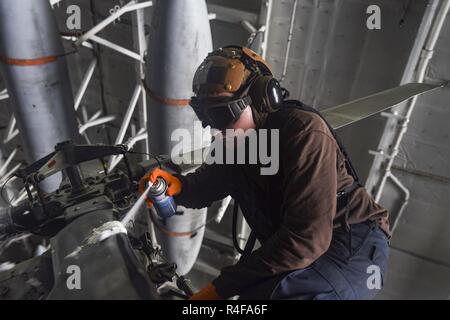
232	87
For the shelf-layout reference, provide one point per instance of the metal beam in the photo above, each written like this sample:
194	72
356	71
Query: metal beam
117	48
232	15
130	6
11	131
95	123
8	160
84	83
4	94
140	46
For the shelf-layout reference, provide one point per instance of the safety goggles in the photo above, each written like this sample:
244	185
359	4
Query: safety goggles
219	112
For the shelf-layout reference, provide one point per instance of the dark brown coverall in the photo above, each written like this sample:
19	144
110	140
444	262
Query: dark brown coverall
293	213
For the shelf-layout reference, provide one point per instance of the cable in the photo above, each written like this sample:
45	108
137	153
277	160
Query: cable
148	154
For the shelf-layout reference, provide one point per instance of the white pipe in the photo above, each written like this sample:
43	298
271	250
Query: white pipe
125	123
84	83
128	114
222	209
253	32
84	114
141	135
405	199
73	39
248	26
7	162
95	116
11	131
95	122
9	174
130	6
140	45
11	125
126	120
268	4
425	58
14	134
4	94
289	40
117	48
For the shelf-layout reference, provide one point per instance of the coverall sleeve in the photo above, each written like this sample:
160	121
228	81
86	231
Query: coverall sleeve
308	209
199	189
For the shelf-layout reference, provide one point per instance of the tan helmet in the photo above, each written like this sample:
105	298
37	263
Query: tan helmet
241	73
227	70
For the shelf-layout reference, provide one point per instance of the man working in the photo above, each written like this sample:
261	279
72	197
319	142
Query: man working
322	235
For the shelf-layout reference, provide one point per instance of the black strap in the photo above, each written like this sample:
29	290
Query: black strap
237	106
342	196
349	165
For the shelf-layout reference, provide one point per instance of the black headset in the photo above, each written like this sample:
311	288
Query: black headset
262	91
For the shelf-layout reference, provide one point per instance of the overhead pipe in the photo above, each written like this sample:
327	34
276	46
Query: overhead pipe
140	46
84	83
11	131
130	6
425	57
96	122
265	13
34	68
289	40
406	197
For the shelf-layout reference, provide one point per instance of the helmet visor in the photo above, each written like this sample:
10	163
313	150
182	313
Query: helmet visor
218	112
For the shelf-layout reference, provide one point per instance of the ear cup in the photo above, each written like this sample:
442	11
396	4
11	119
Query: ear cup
274	93
266	94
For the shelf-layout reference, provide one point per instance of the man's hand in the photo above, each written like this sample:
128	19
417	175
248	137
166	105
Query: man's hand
173	183
207	293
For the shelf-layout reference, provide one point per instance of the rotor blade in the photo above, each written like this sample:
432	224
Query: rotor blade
350	112
356	110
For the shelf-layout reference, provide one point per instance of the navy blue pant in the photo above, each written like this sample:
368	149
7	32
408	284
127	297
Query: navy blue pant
352	268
